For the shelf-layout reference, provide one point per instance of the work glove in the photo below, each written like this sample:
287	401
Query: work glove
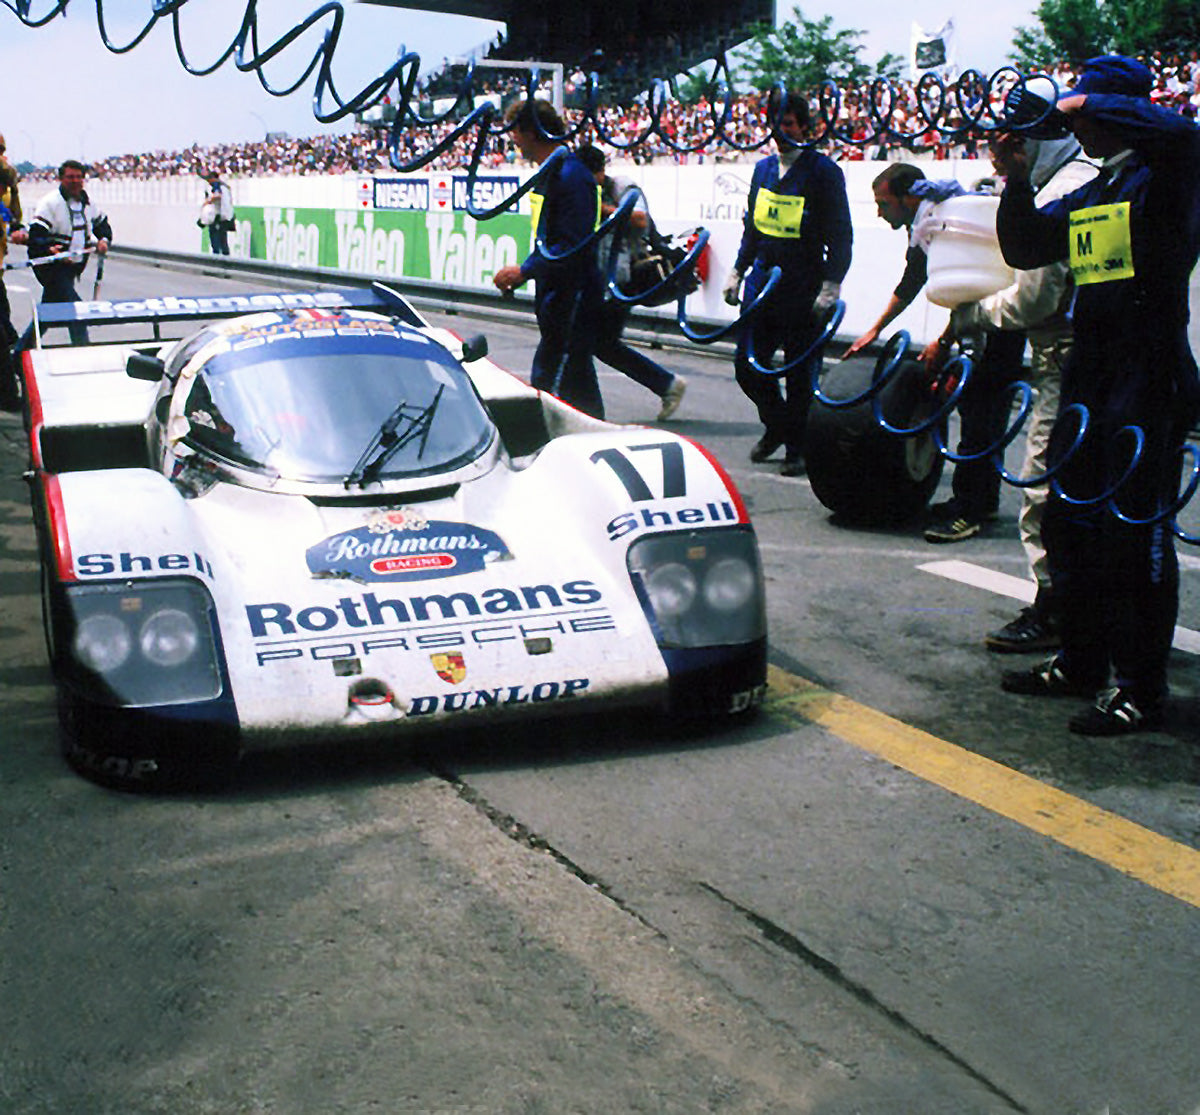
829	293
732	284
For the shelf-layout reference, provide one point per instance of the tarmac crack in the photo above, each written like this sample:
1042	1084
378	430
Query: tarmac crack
522	834
825	967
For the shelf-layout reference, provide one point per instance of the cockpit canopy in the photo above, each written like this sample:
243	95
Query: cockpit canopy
325	397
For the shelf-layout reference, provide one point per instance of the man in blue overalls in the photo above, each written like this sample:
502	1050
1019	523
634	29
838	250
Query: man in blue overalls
570	291
797	219
1131	237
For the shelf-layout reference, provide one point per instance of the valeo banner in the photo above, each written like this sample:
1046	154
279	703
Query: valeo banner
446	246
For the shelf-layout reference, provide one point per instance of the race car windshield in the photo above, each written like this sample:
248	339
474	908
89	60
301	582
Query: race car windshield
304	409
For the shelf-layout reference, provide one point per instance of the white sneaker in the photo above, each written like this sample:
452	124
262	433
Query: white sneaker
672	398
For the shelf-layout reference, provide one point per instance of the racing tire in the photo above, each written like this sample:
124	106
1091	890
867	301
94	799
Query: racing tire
862	473
126	749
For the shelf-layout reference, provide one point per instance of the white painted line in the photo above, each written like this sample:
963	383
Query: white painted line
1021	588
1002	584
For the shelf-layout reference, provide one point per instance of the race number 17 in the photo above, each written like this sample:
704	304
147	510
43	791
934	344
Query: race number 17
622	463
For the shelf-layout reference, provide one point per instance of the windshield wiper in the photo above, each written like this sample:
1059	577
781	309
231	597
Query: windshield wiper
386	441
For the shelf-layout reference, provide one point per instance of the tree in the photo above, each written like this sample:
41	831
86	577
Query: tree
802	53
1144	26
1076	30
1070	31
694	85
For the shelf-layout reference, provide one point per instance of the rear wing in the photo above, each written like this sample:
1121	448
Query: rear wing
201	307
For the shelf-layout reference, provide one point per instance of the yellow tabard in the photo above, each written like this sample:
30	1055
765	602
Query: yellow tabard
535	216
536	201
1101	243
778	214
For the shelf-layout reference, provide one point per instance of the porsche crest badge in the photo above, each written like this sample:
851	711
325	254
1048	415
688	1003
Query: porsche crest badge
451	668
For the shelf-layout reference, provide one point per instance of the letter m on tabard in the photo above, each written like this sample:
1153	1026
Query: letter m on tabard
1083	243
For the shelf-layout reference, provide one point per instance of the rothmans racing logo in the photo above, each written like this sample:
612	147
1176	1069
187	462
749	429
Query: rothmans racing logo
402	545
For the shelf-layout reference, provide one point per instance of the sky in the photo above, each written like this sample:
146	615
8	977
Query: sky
80	100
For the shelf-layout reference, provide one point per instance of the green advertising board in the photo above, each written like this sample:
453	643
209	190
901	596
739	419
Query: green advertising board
447	246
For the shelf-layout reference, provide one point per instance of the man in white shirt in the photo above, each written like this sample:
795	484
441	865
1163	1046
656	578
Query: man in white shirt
67	223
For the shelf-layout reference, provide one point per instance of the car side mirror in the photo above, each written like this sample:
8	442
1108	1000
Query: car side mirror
474	348
141	366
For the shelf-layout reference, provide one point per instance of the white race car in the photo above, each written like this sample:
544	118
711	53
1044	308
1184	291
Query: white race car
308	519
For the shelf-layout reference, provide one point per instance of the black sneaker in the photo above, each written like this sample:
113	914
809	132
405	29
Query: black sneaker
1044	680
792	466
956	529
1032	630
764	447
1115	713
943	509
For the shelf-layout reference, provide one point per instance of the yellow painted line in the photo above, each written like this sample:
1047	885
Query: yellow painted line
1131	849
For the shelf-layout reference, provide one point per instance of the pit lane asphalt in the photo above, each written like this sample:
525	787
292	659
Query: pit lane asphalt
897	890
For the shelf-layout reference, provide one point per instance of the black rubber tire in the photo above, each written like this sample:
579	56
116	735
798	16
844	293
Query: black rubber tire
861	472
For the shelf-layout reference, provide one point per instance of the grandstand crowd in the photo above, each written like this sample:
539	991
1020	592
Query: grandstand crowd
686	133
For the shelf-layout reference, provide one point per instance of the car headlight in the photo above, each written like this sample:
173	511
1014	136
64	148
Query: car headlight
142	643
102	643
672	589
729	584
169	638
700	588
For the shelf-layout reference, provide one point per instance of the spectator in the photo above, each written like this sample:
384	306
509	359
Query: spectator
67	223
870	124
218	209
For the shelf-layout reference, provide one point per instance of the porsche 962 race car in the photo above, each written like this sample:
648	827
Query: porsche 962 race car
308	519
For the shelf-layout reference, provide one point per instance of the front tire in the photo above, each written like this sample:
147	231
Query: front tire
861	472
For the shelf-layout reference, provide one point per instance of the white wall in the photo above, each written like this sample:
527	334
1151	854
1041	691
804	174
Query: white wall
161	213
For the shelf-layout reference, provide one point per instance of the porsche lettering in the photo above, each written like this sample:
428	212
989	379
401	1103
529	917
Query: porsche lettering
502	695
478	635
